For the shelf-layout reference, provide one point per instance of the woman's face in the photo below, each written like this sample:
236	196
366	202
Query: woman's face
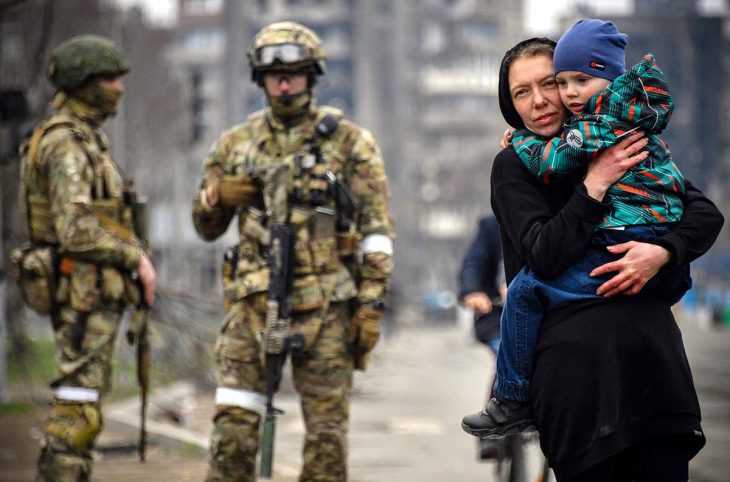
535	94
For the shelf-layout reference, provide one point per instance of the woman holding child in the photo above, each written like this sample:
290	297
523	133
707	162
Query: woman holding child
611	390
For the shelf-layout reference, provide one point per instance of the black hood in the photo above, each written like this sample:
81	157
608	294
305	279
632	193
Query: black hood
505	99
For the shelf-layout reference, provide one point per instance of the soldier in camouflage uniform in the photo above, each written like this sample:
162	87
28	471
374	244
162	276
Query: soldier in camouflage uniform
72	192
342	266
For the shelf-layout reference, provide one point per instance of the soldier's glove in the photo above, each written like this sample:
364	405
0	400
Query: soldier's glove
363	333
234	190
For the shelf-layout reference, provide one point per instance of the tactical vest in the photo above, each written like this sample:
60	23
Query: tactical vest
46	276
39	220
322	246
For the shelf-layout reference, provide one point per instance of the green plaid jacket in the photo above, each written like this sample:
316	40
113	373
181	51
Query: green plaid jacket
639	99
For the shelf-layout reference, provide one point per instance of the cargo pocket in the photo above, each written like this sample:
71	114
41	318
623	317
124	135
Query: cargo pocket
303	259
309	326
306	294
113	286
324	255
238	348
323	240
35	273
343	285
84	293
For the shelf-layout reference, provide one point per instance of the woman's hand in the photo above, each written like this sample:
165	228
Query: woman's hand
640	263
612	163
506	138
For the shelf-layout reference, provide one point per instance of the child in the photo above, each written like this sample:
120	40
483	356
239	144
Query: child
608	105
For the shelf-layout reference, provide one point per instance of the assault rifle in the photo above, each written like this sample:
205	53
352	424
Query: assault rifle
138	329
279	341
137	334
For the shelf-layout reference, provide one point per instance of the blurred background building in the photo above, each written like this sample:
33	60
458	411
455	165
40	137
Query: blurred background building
421	75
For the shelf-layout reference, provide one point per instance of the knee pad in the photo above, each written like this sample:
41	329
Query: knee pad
55	467
235	428
74	426
234	444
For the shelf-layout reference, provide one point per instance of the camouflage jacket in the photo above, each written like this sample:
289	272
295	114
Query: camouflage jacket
639	99
352	155
69	182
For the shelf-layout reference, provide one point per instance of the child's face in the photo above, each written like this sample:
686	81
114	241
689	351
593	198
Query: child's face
577	87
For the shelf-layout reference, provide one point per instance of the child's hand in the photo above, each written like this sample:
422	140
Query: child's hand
613	163
506	138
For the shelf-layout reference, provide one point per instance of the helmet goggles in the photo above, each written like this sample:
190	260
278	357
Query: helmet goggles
283	53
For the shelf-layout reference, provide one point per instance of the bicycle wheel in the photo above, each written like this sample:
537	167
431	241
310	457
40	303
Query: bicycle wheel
523	461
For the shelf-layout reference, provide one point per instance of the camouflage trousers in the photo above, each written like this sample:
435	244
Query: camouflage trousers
322	376
84	347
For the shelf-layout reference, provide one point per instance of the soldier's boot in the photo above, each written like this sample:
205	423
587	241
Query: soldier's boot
234	445
70	435
325	458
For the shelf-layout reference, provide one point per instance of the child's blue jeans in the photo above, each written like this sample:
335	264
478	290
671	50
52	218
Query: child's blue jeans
529	297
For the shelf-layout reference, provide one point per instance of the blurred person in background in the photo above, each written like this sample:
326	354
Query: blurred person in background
482	290
481	281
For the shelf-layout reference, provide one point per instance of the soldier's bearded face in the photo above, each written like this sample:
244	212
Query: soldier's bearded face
103	93
110	93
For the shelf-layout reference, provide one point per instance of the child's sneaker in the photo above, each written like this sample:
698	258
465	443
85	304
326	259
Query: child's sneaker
499	417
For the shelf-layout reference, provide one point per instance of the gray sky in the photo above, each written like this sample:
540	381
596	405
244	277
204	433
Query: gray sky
541	16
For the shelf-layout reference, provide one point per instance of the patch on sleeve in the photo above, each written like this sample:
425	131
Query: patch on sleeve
574	138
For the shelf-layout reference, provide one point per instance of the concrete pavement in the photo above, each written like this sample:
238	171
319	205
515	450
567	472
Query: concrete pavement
405	418
405	415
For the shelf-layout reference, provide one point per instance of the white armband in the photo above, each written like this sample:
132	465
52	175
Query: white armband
377	243
248	399
77	394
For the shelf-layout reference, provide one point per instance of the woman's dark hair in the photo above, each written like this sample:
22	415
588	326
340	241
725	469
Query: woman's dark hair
526	48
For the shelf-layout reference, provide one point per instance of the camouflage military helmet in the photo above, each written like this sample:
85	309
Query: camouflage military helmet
287	45
80	58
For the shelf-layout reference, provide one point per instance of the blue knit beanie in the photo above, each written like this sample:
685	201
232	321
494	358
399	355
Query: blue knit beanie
594	47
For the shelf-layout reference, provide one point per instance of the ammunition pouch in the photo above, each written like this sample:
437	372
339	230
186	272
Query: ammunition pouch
85	286
34	270
45	278
306	294
347	244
